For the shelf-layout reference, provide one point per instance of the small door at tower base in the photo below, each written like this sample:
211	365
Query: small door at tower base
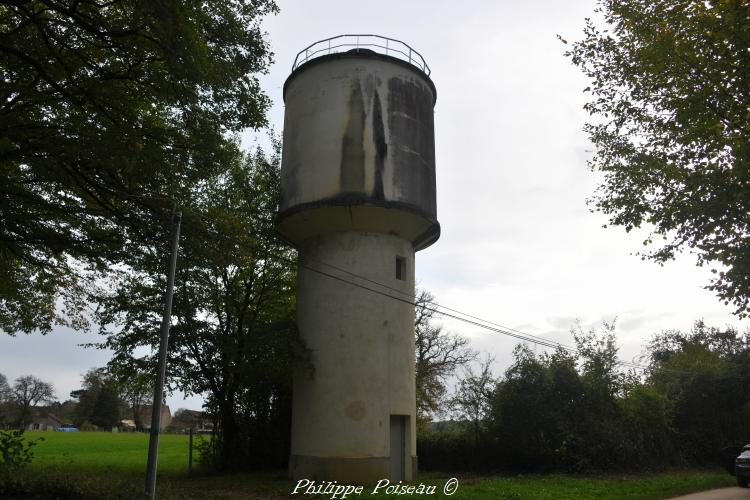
398	448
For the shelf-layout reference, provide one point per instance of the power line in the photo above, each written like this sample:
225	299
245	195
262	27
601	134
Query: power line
440	309
413	296
412	300
515	333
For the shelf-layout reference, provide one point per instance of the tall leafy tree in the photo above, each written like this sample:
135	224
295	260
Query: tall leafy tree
670	91
98	400
705	374
87	395
233	333
106	414
106	108
534	408
135	385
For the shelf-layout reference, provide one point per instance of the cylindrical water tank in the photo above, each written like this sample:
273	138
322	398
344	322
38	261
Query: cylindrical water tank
359	148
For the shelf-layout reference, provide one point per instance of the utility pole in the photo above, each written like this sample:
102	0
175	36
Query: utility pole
153	443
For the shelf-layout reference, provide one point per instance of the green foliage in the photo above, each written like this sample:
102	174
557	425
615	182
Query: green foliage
5	392
535	409
471	399
456	450
15	450
233	336
69	485
136	387
106	414
647	427
6	396
705	374
579	411
99	400
670	93
109	108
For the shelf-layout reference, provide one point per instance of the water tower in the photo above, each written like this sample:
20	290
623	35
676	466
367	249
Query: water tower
358	200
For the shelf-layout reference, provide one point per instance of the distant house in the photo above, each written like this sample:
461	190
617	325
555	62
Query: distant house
43	420
145	417
199	421
127	425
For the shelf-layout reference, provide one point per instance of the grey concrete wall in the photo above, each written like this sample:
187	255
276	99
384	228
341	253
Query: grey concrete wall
362	353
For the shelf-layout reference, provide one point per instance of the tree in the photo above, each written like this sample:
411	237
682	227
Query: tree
106	414
182	420
670	123
98	400
705	375
5	392
109	111
233	335
136	388
29	391
438	354
562	409
6	396
87	395
473	396
533	408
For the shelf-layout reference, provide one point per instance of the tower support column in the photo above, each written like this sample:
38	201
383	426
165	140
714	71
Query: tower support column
354	409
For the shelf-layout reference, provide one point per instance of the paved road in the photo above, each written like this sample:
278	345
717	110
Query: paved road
735	493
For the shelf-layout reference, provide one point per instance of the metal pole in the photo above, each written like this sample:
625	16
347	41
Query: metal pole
153	443
190	453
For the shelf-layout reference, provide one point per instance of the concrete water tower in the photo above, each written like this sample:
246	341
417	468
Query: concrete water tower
358	200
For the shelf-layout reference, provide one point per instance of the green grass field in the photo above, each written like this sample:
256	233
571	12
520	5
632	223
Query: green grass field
101	465
96	450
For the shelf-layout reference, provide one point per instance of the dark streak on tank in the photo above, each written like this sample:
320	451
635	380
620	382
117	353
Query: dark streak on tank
352	150
381	148
412	151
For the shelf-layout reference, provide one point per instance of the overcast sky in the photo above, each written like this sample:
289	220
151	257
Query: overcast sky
519	246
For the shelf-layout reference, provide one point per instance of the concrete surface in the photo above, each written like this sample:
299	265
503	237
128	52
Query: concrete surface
735	493
362	352
358	131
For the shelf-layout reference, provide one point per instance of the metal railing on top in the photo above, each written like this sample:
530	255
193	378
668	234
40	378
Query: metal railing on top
343	43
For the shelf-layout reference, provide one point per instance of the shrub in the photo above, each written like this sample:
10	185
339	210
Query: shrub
15	450
456	450
66	485
88	427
